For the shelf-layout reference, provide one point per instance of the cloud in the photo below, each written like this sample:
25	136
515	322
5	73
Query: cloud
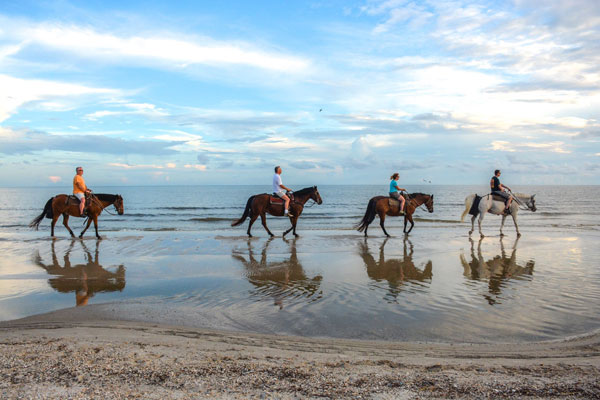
26	142
18	92
199	167
162	50
54	179
143	109
554	147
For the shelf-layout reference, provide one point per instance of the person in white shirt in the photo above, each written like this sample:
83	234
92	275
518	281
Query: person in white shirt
280	190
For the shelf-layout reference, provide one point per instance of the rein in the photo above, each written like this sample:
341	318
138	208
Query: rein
99	204
410	198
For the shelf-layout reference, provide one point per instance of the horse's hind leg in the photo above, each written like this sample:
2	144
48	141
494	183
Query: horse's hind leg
53	224
382	224
263	219
252	219
502	224
66	224
472	224
479	224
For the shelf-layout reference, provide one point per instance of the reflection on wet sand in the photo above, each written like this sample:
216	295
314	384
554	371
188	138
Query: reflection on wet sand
280	279
395	271
83	279
497	270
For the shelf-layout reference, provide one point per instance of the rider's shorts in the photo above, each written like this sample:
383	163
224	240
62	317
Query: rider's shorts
80	196
395	195
281	193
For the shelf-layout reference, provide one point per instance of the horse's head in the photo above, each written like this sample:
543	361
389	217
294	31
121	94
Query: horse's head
316	196
531	203
119	204
429	204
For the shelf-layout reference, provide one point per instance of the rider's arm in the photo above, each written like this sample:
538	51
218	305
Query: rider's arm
286	188
492	183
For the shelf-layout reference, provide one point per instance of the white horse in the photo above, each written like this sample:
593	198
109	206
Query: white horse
488	204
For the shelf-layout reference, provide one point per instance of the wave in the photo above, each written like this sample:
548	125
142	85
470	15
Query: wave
212	219
192	208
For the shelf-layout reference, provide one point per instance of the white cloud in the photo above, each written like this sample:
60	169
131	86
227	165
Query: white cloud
143	109
152	48
554	147
18	92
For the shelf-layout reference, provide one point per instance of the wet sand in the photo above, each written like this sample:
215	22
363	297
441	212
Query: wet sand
189	315
72	354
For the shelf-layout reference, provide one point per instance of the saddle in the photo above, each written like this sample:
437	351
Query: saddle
495	197
71	199
395	203
274	199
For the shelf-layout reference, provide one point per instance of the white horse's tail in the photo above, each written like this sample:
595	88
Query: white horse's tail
468	203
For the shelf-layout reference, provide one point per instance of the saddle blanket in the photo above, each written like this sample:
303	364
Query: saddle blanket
71	199
276	200
475	206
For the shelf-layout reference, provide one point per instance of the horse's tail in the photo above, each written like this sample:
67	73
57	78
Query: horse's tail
247	212
468	203
35	223
369	215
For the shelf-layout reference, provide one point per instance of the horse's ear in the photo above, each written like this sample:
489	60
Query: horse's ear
533	196
315	186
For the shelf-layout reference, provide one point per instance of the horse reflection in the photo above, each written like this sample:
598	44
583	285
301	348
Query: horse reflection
395	271
496	270
84	279
279	279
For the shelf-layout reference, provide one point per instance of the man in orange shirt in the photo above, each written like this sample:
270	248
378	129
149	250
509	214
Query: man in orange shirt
80	189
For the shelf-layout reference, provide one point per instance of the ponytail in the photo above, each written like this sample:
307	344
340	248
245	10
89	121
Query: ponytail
394	176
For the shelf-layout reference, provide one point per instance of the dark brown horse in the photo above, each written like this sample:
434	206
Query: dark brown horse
260	204
66	206
380	205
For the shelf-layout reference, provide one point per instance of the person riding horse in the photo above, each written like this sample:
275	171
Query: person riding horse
80	190
280	191
395	190
500	190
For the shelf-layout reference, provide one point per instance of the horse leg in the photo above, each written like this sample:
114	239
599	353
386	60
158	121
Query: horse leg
502	224
514	217
412	223
381	223
294	221
54	219
89	222
472	224
96	226
263	219
405	222
252	219
66	224
481	215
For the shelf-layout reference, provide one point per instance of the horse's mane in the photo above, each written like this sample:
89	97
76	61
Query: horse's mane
411	195
305	190
106	197
522	196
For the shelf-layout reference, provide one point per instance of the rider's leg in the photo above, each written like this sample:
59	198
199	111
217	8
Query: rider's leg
287	202
81	205
402	201
510	199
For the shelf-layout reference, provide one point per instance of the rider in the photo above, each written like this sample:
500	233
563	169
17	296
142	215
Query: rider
279	190
395	190
500	189
80	190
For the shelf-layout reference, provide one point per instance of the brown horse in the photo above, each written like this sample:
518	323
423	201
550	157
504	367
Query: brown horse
260	205
66	206
380	205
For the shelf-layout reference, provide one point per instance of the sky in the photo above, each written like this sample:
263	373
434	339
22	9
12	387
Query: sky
338	92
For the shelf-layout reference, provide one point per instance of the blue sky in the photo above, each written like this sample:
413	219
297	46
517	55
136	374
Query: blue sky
339	92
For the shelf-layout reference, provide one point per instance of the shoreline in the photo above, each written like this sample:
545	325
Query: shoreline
57	356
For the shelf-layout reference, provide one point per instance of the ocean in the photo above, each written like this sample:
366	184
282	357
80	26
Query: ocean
173	257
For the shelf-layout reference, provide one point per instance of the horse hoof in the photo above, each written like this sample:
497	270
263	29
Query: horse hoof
518	235
502	234
296	235
482	236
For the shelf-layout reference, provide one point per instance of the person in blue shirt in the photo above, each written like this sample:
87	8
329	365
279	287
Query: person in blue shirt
395	190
